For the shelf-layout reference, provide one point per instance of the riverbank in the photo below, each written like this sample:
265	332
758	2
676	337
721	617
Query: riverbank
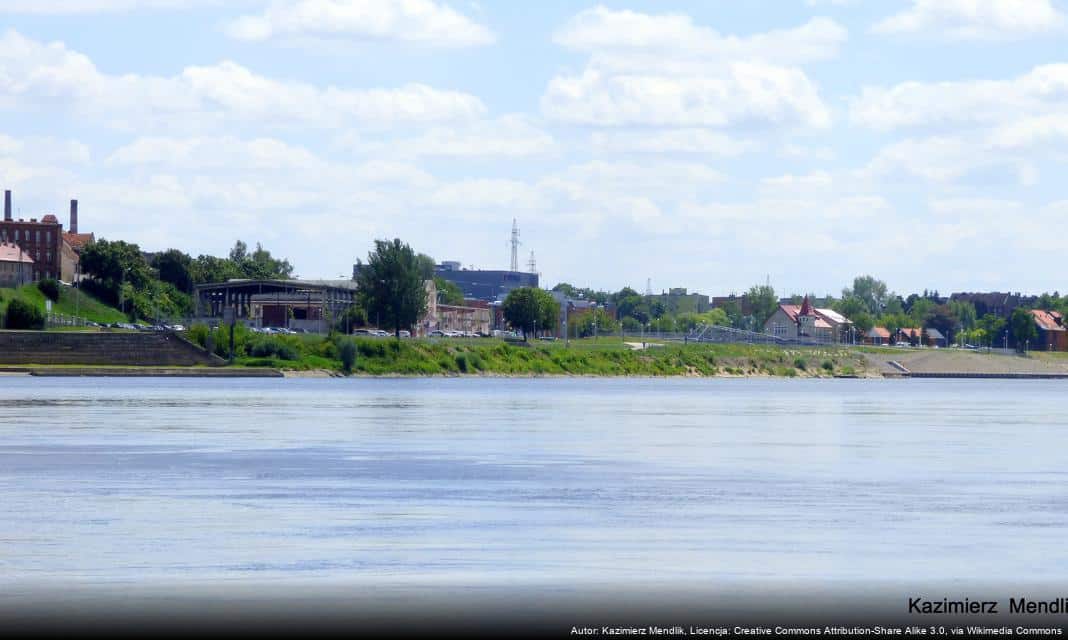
73	371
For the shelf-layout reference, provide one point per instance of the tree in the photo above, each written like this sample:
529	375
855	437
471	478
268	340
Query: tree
448	292
22	315
990	328
763	301
919	310
426	266
527	308
870	291
582	325
965	312
941	317
390	286
176	268
110	264
1022	328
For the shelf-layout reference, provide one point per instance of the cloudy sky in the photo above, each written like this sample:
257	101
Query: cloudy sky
705	144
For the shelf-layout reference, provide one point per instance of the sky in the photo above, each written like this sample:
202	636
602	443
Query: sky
710	145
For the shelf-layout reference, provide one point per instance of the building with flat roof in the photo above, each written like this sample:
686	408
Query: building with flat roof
487	285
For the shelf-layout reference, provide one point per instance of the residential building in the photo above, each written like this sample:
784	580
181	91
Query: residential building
1052	333
16	266
918	337
995	302
806	322
877	336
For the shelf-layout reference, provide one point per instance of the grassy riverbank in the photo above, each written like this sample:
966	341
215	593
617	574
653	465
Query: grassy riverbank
386	356
71	302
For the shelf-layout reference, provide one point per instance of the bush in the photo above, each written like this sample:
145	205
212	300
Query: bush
461	362
21	315
271	348
800	364
347	352
50	288
827	365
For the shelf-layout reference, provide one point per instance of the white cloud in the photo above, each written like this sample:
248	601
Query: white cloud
975	19
948	158
600	29
34	75
966	103
663	70
217	154
413	21
508	136
701	141
746	93
74	7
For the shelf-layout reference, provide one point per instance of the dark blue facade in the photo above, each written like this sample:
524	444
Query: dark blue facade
486	285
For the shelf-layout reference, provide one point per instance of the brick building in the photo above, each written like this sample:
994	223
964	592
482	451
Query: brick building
54	252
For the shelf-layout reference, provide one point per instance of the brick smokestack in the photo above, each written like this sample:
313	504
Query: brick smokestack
7	205
73	216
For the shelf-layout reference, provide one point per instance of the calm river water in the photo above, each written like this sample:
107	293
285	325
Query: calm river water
499	481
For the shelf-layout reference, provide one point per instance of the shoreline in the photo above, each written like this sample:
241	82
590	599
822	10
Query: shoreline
69	371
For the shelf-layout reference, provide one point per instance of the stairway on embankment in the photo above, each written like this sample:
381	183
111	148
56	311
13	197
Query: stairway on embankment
102	348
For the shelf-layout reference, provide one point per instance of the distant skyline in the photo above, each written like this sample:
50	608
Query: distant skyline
706	144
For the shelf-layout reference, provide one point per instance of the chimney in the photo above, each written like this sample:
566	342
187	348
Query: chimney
7	205
74	216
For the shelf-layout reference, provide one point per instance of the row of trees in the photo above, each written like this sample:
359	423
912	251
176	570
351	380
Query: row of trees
868	303
160	285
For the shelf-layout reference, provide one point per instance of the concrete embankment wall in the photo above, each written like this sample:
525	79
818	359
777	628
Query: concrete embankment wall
161	349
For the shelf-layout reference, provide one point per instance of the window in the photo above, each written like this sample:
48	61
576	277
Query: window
16	235
48	237
37	236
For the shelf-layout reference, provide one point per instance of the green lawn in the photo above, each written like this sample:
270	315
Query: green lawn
491	356
71	302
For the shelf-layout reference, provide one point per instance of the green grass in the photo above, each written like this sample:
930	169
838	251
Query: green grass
71	302
385	356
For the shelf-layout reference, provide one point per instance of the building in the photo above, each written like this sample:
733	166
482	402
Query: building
917	337
805	322
724	302
310	305
677	301
16	266
995	302
469	319
877	336
478	284
1052	333
52	251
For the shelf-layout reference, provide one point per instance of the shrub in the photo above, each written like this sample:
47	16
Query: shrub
347	352
199	334
827	365
21	315
800	364
50	288
461	362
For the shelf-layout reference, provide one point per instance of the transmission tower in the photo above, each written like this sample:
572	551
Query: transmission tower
532	264
515	245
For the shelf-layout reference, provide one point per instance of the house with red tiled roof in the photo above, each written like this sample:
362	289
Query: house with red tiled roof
16	266
1052	334
806	322
877	336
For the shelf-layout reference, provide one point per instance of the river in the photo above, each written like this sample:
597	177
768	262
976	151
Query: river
530	481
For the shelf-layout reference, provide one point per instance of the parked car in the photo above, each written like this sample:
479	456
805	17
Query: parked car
405	334
437	333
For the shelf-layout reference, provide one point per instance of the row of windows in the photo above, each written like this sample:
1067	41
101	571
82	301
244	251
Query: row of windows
26	235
